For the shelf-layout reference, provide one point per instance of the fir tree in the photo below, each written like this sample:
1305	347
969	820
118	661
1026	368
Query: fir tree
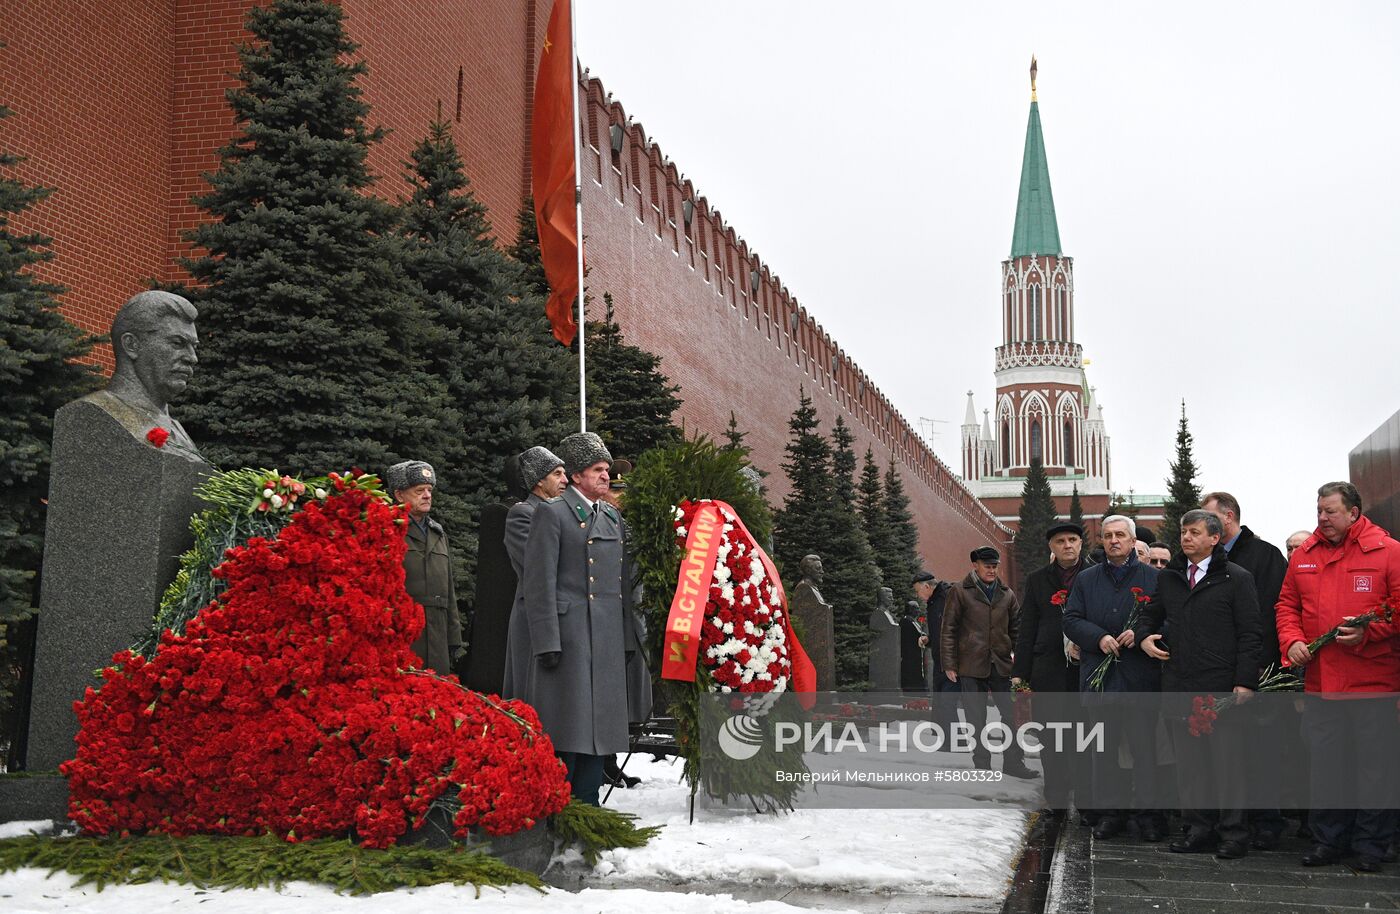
843	463
633	400
798	528
734	436
509	384
852	575
1076	508
734	441
1182	492
311	345
870	504
1037	516
903	532
39	372
526	252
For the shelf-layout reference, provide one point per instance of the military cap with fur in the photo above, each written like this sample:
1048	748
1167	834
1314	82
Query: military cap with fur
408	474
535	464
581	450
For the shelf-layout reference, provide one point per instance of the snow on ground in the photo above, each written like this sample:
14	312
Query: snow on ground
30	892
690	868
964	852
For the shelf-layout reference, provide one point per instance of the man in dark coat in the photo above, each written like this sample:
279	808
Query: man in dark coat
976	638
1098	617
541	474
943	697
1277	731
577	617
1208	609
1041	657
427	566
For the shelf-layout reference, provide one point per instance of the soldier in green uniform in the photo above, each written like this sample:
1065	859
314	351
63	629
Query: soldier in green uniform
427	566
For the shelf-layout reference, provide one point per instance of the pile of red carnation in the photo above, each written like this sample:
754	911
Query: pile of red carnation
293	705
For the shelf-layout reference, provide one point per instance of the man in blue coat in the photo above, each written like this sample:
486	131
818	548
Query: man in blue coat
1103	606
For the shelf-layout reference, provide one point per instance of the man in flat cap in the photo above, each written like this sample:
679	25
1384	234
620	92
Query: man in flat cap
541	473
977	635
576	601
427	566
1042	659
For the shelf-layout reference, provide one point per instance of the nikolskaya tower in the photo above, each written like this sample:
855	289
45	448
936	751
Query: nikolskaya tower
1044	408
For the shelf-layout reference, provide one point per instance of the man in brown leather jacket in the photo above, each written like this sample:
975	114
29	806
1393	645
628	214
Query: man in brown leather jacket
977	636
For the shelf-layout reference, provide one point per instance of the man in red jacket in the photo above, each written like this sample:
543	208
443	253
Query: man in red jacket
1348	567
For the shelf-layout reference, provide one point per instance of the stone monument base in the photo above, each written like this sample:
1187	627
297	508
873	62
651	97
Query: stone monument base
30	798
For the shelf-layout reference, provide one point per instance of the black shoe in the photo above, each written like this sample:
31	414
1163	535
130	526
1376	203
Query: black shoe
1265	841
1193	844
1018	770
1231	850
1365	863
1322	855
1151	832
1108	827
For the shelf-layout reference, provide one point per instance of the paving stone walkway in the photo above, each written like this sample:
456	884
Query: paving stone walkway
1126	876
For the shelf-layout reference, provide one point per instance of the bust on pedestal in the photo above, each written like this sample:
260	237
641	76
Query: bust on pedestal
121	496
884	644
814	616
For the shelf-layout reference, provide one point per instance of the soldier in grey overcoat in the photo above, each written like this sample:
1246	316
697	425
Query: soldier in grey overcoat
577	614
542	474
427	566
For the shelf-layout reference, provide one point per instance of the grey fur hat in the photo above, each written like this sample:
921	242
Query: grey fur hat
581	450
536	464
408	474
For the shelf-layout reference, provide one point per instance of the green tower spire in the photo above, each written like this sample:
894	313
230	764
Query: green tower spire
1036	230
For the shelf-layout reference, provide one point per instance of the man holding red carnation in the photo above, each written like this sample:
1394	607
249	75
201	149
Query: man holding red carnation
1348	567
1209	607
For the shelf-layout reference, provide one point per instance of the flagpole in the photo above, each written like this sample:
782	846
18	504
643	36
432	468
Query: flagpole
578	216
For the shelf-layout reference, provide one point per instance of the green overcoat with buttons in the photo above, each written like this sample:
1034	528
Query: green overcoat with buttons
428	578
576	598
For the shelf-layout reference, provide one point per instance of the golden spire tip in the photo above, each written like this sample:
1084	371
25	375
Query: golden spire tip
1033	68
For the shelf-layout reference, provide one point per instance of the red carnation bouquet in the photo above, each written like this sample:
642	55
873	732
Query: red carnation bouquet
293	704
1206	708
1382	613
1100	674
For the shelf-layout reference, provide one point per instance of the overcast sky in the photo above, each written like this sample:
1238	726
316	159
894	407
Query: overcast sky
1225	176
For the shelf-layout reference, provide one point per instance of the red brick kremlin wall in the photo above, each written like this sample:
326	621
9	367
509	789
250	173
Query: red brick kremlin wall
120	106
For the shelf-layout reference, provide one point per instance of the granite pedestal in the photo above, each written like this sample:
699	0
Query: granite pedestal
118	519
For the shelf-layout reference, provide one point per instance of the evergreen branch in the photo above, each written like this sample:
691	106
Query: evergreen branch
209	861
594	829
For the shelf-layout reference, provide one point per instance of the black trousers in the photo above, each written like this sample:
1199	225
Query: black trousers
974	693
1062	777
1351	730
585	773
1212	780
1274	741
1120	792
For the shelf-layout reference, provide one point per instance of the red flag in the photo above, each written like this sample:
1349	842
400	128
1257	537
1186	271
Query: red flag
554	170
